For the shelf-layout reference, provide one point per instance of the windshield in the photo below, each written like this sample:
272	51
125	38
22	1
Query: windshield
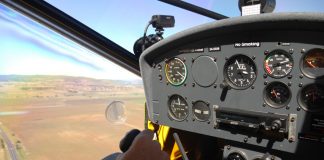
123	21
59	100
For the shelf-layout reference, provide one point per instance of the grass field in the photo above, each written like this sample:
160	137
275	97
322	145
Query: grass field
57	117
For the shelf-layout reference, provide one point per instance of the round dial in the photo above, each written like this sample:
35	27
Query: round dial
278	63
240	71
201	111
312	63
178	107
277	94
175	71
311	98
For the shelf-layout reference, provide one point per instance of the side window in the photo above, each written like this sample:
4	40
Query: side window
59	100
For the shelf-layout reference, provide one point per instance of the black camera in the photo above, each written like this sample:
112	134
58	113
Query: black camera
158	22
162	21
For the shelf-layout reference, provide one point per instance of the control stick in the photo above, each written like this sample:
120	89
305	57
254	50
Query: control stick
124	144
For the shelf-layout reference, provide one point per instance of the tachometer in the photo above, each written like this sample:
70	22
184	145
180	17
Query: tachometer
175	71
240	71
278	63
178	107
311	98
277	94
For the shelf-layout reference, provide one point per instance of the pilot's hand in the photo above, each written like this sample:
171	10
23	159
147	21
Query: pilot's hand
144	148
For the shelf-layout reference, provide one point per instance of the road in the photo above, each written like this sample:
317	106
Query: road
10	146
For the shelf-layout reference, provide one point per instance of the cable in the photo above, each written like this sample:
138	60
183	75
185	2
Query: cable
144	36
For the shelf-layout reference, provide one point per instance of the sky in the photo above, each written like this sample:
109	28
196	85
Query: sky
28	48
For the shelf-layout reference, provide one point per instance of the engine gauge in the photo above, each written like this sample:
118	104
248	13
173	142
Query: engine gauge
278	64
240	71
312	63
175	71
201	111
277	94
178	107
311	98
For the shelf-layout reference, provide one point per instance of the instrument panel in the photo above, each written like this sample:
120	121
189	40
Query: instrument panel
258	87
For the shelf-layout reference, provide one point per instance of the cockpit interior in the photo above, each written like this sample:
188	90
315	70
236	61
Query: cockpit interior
249	87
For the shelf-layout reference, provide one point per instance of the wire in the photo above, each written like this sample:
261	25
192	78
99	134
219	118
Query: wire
144	36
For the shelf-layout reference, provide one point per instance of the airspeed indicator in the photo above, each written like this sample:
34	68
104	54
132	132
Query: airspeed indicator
175	71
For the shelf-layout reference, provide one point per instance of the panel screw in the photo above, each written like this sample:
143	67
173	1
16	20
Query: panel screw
193	119
264	104
245	139
156	121
287	107
265	75
292	119
289	76
301	76
252	87
273	157
192	60
193	84
266	82
160	77
303	50
253	57
300	85
266	52
184	59
298	108
159	67
208	122
215	86
291	51
167	83
228	147
215	59
185	84
289	84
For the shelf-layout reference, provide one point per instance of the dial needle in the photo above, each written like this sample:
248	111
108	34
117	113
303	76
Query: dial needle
238	64
274	93
181	74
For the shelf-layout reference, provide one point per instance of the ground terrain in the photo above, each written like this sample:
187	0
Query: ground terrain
60	117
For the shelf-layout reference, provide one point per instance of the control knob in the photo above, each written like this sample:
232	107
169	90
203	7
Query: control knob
275	125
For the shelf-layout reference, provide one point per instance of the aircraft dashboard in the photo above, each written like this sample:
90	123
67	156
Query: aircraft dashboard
254	80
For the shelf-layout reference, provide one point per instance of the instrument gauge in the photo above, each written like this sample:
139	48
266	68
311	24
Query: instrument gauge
175	71
311	98
178	107
201	111
240	71
312	64
277	94
278	64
